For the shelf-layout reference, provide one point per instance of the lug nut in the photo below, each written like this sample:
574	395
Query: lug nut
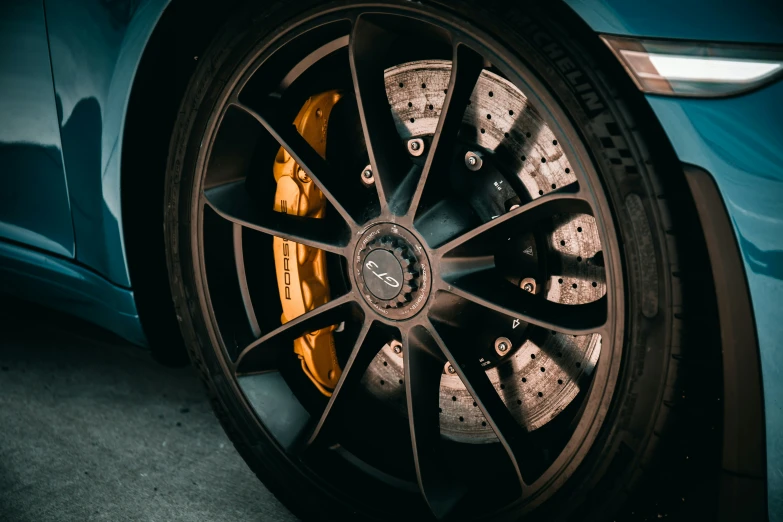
528	285
367	176
473	161
416	146
502	345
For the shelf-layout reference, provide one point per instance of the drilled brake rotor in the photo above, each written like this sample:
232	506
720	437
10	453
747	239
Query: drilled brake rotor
540	374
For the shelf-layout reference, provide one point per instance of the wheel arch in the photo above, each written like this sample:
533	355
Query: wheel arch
170	55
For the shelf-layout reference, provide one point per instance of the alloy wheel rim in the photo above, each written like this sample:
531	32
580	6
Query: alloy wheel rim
457	266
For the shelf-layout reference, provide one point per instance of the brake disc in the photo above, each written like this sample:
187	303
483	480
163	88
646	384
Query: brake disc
538	378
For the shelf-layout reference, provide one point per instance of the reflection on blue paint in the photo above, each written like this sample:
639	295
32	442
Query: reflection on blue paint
96	47
61	284
34	208
756	21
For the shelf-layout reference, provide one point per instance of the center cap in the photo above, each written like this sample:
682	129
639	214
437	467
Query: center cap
382	274
392	271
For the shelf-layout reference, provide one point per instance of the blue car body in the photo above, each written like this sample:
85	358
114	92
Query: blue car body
68	69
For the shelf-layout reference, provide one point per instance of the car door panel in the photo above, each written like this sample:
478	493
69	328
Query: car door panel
34	204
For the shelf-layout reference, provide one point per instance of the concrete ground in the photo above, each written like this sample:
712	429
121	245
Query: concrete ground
92	428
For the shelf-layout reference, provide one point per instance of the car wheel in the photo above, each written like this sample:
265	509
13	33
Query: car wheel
420	257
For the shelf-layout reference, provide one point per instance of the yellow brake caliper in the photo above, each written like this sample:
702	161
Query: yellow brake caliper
301	270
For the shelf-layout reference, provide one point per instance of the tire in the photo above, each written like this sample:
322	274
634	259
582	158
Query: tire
634	437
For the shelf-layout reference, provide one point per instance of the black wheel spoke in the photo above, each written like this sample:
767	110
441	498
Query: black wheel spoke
477	271
263	353
423	370
465	70
388	159
486	288
305	156
482	238
365	348
232	202
510	433
467	269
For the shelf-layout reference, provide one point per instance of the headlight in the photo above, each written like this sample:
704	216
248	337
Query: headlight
695	69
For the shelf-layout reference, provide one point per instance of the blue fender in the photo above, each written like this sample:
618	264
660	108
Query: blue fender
749	21
96	48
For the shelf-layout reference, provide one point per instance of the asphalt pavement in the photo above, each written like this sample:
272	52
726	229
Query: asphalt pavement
92	429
